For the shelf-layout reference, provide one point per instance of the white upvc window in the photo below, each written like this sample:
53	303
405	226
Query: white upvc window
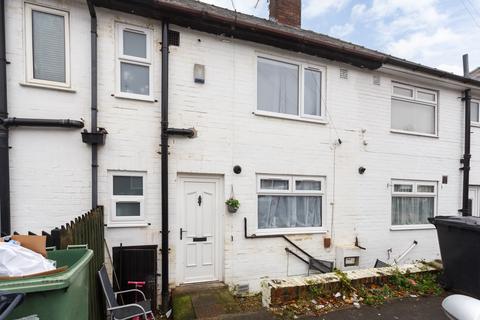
475	113
414	110
290	89
127	189
47	44
134	62
413	202
290	204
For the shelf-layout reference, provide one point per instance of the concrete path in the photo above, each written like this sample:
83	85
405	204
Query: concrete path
428	308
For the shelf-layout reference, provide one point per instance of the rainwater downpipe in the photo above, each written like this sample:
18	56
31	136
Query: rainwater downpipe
466	210
4	159
164	167
94	109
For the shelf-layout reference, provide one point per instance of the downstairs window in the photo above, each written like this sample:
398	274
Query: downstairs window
288	203
413	202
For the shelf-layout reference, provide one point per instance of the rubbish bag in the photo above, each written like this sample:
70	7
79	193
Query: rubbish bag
17	261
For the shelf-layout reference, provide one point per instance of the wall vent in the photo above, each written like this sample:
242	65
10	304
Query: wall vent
243	288
173	38
376	80
343	74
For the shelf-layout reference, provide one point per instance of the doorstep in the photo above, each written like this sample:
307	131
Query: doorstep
211	301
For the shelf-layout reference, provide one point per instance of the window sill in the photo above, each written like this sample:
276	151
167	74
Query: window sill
475	124
414	133
288	117
280	232
413	227
46	86
134	97
127	225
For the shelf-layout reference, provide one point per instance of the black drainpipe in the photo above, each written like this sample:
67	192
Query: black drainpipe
165	133
4	161
164	167
466	210
467	98
94	109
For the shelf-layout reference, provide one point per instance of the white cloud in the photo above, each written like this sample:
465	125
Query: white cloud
341	31
315	8
423	45
454	68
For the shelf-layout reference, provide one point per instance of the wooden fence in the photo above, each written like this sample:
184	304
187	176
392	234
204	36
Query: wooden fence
87	229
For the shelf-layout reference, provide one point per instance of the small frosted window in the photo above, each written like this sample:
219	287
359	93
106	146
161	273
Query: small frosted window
134	44
474	112
401	91
128	209
135	78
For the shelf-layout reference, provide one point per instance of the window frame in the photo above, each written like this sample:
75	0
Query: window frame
29	74
415	99
292	192
133	60
476	123
302	66
414	193
114	199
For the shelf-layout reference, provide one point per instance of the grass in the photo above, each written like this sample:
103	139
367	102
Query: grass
183	308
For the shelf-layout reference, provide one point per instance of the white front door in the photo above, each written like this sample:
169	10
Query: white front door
474	198
199	229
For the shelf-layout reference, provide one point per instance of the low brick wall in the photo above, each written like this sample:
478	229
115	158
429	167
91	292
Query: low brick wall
276	292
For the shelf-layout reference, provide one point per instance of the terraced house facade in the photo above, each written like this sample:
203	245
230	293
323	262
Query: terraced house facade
343	150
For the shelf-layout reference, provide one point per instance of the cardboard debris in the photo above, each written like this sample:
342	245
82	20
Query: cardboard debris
38	274
37	244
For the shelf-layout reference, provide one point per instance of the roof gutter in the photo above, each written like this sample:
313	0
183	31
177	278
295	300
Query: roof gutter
211	19
394	61
240	26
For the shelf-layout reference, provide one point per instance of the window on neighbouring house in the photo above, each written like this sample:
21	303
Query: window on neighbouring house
47	46
413	202
134	62
127	196
290	203
474	112
289	88
414	110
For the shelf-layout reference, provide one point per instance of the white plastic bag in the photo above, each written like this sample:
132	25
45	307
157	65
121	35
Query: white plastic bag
16	260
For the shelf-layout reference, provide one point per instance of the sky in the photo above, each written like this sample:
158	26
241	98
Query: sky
432	32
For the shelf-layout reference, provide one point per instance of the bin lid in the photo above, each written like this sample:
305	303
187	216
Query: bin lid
469	222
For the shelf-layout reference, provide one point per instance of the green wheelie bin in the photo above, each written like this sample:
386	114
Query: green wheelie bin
59	296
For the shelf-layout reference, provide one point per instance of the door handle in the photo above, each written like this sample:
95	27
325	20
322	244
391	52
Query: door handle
181	233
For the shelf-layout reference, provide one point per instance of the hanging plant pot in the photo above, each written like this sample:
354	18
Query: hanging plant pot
232	209
232	205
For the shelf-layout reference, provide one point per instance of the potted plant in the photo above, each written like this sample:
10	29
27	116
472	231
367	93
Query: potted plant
232	205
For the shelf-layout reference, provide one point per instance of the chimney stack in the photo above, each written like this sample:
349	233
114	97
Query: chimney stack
287	12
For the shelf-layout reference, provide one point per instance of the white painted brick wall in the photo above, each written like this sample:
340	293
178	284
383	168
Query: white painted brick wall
50	169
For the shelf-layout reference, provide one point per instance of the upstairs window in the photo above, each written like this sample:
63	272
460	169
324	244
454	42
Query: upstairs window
474	113
414	110
134	63
289	89
413	202
290	203
47	46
